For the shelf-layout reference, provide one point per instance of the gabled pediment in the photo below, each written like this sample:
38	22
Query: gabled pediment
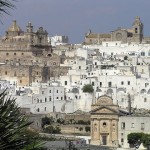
104	110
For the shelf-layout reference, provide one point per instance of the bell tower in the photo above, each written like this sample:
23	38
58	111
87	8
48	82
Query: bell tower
137	27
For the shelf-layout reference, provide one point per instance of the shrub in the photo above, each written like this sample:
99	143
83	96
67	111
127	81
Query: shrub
88	88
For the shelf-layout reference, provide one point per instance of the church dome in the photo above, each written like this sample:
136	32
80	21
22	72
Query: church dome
14	27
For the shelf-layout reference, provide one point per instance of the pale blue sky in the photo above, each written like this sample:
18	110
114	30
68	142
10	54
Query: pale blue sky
75	17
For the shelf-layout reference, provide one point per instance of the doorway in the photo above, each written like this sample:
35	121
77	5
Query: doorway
104	139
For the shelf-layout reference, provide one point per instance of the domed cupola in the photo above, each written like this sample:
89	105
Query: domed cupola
14	30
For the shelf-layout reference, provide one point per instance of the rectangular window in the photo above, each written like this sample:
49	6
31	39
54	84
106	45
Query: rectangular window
122	83
57	91
132	125
142	126
65	82
109	84
49	91
92	83
122	125
122	140
128	82
100	84
45	99
79	67
42	92
50	98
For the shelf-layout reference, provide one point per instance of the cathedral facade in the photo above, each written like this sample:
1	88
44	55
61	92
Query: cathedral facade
135	34
27	56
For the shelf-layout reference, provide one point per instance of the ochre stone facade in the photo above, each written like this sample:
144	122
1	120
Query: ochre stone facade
27	57
104	122
135	34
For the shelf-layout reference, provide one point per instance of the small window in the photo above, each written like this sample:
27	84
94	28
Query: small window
145	99
100	84
122	125
57	91
122	140
45	108
37	73
128	82
79	67
14	53
42	92
57	97
20	81
122	100
7	54
22	53
136	30
92	83
45	99
142	126
38	110
132	125
49	91
109	84
5	72
50	98
61	98
65	82
142	53
122	83
104	124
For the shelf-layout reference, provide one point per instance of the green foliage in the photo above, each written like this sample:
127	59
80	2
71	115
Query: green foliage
5	5
88	88
135	138
82	122
60	121
146	140
13	124
138	138
47	121
52	130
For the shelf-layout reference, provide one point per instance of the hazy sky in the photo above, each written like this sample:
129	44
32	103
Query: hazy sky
75	17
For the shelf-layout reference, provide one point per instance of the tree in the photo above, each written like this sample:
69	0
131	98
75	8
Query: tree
5	5
47	121
13	124
134	138
88	88
52	130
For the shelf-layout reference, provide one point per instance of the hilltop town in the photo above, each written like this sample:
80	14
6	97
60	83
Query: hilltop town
47	76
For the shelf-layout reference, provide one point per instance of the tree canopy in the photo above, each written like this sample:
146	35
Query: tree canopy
135	139
88	88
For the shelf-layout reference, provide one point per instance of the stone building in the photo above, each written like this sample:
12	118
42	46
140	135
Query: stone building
135	34
27	56
104	122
